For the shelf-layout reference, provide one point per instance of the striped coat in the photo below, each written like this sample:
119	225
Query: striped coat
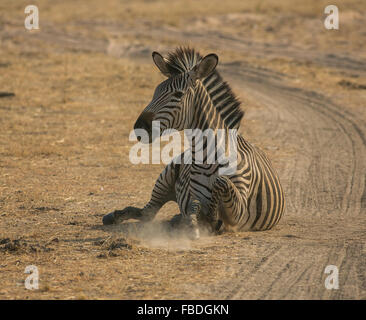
195	97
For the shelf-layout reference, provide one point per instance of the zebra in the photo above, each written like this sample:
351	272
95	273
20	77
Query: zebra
194	95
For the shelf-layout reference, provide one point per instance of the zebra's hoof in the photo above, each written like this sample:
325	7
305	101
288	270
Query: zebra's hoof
109	219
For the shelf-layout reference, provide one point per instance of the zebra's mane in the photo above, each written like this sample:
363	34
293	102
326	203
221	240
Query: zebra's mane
227	104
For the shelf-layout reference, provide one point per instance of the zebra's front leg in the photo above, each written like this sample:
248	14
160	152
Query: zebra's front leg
208	220
162	192
194	211
118	216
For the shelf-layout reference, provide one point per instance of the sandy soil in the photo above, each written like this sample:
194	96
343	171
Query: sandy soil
81	81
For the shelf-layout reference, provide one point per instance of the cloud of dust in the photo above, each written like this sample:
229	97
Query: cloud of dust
159	234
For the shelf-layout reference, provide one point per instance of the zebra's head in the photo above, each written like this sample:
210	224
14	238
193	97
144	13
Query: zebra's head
172	101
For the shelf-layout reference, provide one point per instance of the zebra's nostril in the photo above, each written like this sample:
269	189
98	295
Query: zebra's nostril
144	122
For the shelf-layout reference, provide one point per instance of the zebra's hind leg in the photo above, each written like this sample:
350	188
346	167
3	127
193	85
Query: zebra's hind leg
227	205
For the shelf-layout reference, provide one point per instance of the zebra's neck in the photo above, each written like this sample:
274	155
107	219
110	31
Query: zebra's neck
209	130
224	100
206	115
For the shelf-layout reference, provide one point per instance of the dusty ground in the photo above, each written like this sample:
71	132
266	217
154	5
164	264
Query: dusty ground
80	83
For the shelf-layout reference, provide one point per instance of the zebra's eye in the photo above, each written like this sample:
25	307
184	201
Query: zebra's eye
178	94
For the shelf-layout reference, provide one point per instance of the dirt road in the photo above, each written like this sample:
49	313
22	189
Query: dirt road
64	155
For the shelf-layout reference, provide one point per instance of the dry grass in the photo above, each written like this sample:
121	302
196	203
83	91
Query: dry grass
64	141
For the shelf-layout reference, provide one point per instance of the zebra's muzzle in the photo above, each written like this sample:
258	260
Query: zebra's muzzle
144	122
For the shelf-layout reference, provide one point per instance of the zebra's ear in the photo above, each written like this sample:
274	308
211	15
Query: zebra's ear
161	63
206	66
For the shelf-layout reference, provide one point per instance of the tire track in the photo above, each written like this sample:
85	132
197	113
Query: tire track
239	288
